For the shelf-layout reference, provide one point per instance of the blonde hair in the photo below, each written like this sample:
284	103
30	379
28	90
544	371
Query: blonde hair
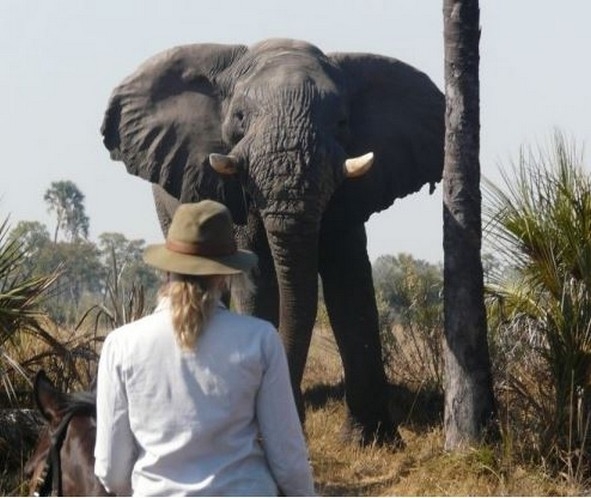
193	300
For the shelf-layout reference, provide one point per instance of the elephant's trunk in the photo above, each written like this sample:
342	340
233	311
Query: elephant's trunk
295	253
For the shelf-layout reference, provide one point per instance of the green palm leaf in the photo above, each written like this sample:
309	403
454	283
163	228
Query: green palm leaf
539	223
20	302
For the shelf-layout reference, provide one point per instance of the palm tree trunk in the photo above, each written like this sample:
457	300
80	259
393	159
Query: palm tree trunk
469	400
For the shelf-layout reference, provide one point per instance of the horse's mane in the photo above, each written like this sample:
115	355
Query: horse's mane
79	403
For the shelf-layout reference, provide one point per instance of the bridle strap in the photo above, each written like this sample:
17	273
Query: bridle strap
53	465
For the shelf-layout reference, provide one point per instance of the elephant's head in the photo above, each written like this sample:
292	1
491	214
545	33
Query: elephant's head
284	131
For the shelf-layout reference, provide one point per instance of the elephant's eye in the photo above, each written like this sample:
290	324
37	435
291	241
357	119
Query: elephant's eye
235	127
239	123
342	129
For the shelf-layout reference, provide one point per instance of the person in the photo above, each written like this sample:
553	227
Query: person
194	398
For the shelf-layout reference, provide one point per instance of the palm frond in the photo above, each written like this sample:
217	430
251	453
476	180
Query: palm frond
21	297
539	222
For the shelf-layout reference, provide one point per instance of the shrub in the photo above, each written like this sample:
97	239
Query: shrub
539	224
410	308
20	299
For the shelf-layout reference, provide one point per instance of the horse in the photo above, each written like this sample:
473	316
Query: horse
62	463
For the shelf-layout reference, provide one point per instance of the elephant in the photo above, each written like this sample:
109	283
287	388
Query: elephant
302	147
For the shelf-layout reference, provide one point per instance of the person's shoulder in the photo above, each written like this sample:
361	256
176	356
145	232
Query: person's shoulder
250	322
131	331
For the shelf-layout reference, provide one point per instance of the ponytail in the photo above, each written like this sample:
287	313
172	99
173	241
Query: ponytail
192	302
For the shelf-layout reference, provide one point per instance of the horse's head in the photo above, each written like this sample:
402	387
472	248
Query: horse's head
37	467
63	461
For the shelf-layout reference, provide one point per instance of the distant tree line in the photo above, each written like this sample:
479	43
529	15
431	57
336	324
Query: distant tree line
86	269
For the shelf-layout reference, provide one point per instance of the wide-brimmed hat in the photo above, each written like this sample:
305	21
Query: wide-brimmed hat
200	241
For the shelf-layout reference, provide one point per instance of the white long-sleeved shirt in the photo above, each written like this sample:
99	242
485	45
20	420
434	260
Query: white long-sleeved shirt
219	420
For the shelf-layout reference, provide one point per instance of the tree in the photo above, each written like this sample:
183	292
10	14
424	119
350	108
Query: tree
66	200
77	262
410	306
122	260
130	286
35	241
80	280
402	279
469	400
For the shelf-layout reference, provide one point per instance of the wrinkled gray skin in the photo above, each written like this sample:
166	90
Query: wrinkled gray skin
290	115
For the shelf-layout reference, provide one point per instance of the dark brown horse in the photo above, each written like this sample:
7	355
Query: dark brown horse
62	463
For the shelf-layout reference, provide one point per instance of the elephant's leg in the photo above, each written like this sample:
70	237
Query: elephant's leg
264	302
350	301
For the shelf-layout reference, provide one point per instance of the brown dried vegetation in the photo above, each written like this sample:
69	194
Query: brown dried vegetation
421	468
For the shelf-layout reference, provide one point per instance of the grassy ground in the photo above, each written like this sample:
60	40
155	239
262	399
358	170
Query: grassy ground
422	468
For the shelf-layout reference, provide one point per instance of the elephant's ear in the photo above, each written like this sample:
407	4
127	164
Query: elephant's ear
396	112
164	120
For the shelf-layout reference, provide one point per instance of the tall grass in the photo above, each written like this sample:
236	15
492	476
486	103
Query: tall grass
539	223
422	467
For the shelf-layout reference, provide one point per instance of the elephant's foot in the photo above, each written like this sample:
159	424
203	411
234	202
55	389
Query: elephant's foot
382	432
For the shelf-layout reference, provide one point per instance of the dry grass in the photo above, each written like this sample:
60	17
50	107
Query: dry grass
422	468
67	354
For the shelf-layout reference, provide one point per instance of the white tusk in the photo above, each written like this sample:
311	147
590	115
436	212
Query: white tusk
224	165
358	166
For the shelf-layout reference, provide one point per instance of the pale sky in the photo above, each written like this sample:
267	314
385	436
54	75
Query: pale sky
59	61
